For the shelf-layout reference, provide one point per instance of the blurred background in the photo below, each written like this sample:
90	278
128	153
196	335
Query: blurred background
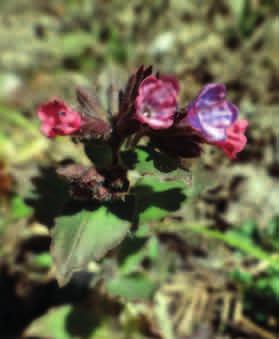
204	282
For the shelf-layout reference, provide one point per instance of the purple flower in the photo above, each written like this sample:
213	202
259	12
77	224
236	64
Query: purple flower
156	102
57	118
210	114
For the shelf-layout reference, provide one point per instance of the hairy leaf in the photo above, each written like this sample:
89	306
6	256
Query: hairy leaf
82	237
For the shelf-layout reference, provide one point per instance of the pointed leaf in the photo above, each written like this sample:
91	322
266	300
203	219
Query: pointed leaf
51	324
82	237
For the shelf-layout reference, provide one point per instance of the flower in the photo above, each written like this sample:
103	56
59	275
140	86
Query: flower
235	140
215	119
57	118
156	102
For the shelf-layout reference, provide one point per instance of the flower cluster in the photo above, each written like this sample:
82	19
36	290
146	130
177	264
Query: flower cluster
148	106
210	115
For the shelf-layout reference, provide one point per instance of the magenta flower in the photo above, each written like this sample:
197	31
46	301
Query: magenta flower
156	102
215	119
57	118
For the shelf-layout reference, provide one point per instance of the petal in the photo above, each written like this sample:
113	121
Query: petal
236	140
156	102
211	114
171	81
215	120
211	94
240	126
147	85
156	123
47	131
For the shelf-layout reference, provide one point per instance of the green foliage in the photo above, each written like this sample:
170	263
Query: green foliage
156	198
242	277
19	209
134	251
88	235
52	324
269	236
264	285
43	261
248	14
85	236
132	287
75	43
150	162
81	38
261	289
116	46
262	240
268	285
241	239
65	322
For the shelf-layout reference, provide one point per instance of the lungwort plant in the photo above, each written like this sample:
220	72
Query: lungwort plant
136	153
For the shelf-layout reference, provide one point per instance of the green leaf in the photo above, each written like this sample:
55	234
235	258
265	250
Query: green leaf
237	241
64	322
43	260
134	250
83	237
153	248
156	198
19	209
269	236
247	229
242	276
142	231
148	161
134	287
131	254
132	262
51	325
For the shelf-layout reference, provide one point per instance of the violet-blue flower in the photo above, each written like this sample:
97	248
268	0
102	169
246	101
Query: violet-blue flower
211	114
215	119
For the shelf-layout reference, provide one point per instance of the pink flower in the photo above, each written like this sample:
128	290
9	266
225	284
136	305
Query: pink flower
57	118
156	102
235	140
215	119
